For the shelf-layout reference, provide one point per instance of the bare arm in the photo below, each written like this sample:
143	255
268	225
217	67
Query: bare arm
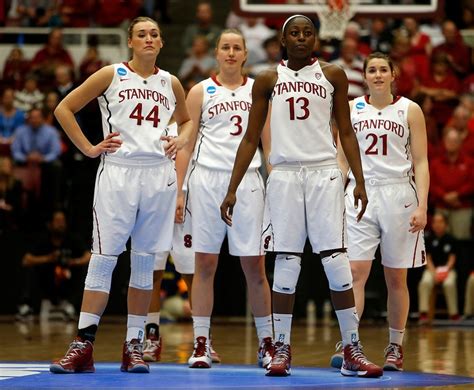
341	157
418	146
261	92
78	98
348	139
266	139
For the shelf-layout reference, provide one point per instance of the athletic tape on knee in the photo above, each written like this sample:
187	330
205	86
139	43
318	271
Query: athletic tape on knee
286	273
141	270
338	271
99	273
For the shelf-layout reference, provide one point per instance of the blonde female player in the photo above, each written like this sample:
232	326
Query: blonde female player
392	138
135	190
219	108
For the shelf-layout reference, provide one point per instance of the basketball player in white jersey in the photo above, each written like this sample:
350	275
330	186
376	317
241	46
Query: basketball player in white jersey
135	190
219	108
392	138
305	194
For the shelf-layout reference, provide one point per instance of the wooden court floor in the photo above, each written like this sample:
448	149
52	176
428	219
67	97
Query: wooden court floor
438	349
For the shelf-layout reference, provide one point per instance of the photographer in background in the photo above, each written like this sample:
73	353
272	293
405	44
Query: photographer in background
55	265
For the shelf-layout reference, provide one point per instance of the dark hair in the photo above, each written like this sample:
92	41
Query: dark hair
292	18
140	19
378	54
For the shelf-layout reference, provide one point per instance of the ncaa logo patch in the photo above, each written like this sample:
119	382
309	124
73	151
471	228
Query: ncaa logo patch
121	71
211	89
360	105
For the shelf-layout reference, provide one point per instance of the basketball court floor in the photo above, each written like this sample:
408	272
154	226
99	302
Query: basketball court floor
440	357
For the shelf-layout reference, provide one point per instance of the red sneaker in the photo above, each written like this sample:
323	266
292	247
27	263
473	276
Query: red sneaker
280	364
356	364
393	358
78	358
132	357
265	352
201	357
152	349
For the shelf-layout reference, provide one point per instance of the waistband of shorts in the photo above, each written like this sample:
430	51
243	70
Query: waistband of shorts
133	162
383	182
309	165
217	169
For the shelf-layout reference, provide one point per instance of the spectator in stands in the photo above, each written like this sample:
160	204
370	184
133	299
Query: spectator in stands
116	13
272	56
15	69
10	196
408	76
47	59
352	65
452	186
440	269
353	31
50	103
64	80
34	13
432	132
198	65
255	33
37	148
75	13
202	26
30	96
443	86
57	261
463	122
457	52
420	44
91	62
379	37
10	119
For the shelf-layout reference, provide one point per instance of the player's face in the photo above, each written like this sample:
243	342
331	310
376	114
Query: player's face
378	75
231	52
146	39
299	38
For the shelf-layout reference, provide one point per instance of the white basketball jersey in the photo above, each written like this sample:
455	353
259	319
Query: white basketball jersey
224	118
139	109
384	138
301	116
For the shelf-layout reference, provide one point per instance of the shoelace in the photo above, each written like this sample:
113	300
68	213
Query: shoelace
135	350
357	354
200	349
282	352
340	346
74	349
393	350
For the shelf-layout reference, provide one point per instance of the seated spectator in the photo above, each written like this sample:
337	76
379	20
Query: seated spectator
255	33
443	86
432	132
420	44
452	185
10	197
10	119
352	65
456	51
272	56
37	148
15	69
463	122
202	26
50	103
64	80
408	77
47	59
90	63
34	13
353	31
57	263
116	13
76	13
440	262
380	36
30	96
198	65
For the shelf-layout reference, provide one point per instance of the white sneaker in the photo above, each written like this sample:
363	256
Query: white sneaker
201	357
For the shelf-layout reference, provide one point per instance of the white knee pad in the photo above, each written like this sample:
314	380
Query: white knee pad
160	261
286	273
338	271
99	273
141	270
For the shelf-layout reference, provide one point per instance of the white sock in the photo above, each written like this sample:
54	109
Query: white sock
153	318
264	327
282	325
135	327
396	336
87	319
201	326
349	325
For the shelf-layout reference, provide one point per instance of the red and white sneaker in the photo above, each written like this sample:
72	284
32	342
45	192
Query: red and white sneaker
265	352
152	349
78	358
338	357
393	358
132	357
356	364
280	364
201	357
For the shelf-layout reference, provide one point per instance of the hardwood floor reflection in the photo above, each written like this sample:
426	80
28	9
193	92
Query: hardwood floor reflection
442	350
